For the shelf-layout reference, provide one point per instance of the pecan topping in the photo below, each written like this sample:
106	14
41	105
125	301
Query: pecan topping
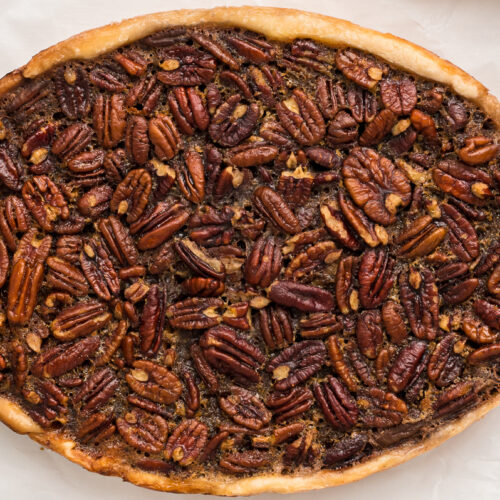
194	313
466	184
275	326
109	119
224	252
375	278
97	390
132	195
99	270
188	109
72	90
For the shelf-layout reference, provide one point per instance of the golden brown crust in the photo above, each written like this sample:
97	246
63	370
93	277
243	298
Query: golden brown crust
16	418
282	25
277	24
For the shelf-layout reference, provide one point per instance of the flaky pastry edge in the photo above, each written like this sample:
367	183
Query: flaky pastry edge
281	25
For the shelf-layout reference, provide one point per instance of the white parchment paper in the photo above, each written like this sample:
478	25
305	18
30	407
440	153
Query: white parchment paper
463	31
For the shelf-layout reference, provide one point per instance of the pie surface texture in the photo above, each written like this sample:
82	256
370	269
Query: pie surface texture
246	250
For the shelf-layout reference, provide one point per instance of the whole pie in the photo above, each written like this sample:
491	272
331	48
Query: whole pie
246	250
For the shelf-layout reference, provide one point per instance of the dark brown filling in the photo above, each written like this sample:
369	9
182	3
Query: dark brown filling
221	253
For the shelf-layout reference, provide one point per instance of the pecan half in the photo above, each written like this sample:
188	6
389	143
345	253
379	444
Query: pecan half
45	201
164	136
156	226
72	90
375	278
275	326
392	317
420	238
187	442
153	320
455	399
263	263
369	333
303	297
382	409
119	241
444	365
477	150
154	382
231	354
26	276
110	119
463	182
194	313
360	69
400	96
407	366
199	260
245	408
463	237
297	363
185	65
336	403
80	320
274	207
99	270
97	390
141	430
233	122
62	358
188	109
301	118
131	196
419	296
376	185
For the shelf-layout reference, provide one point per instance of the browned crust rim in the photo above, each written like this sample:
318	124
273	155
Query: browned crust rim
15	417
282	25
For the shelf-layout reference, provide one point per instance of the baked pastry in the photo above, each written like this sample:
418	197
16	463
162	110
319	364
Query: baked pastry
246	250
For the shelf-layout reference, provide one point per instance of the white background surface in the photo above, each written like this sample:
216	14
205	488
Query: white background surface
463	31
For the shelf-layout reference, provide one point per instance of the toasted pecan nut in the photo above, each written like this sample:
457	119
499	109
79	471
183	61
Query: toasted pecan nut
297	363
231	354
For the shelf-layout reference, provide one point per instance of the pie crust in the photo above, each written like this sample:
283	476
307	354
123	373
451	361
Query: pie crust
281	25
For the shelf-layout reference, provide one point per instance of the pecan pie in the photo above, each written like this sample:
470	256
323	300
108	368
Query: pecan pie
235	261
